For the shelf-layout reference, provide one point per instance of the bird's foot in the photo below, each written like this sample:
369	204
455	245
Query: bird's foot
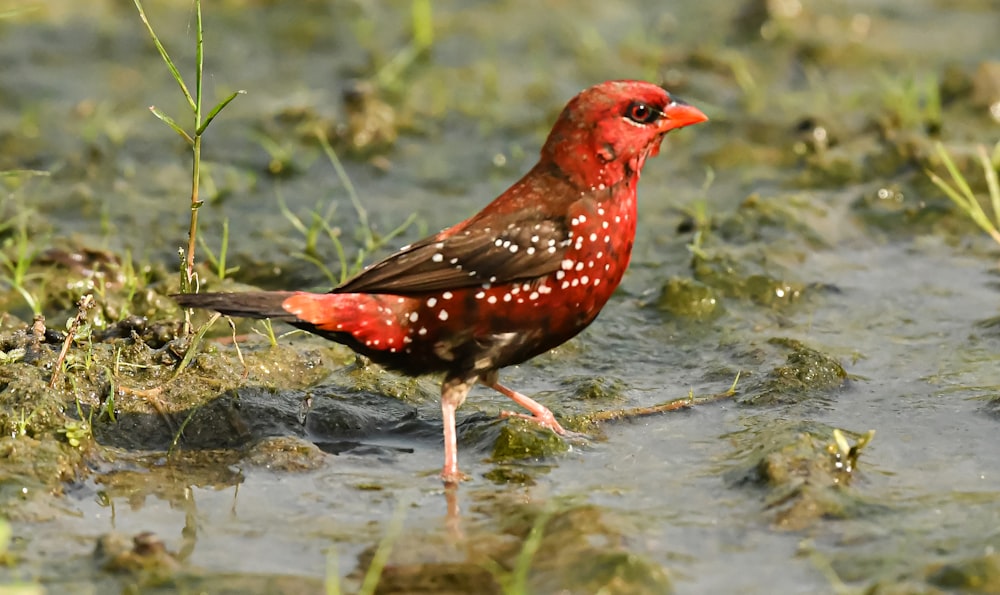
453	477
545	420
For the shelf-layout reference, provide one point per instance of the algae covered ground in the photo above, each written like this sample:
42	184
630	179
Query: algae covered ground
794	390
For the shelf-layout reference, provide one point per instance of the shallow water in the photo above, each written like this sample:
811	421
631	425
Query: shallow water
893	294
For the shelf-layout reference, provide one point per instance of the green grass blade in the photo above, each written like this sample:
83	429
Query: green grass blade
199	66
349	186
166	57
422	20
171	123
218	108
519	575
991	181
193	347
381	557
955	174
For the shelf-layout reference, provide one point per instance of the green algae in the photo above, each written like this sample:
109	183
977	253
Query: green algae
801	470
687	298
973	575
807	373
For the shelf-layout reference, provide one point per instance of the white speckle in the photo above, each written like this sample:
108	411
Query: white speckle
407	340
618	219
601	186
480	295
506	244
392	350
575	282
438	257
526	286
506	297
391	341
431	302
579	266
537	226
493	279
530	250
599	254
339	326
607	239
400	300
584	280
604	224
447	295
567	264
414	316
498	243
533	296
597	282
590	264
565	284
486	286
520	300
552	242
600	210
560	275
593	237
574	221
544	289
534	239
455	261
515	291
375	342
607	267
552	249
422	331
472	273
579	243
439	245
368	343
492	299
583	218
443	315
513	248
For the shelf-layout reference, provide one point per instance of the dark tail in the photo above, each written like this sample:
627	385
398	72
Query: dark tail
253	304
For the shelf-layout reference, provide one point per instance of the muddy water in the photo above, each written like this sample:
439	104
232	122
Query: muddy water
822	245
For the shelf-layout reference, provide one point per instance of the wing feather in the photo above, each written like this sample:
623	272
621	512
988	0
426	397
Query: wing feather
468	257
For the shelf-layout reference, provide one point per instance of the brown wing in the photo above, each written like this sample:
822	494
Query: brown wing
518	251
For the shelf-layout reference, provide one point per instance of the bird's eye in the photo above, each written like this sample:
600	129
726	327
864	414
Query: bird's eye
640	113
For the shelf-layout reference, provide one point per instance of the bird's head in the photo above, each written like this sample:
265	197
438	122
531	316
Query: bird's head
605	133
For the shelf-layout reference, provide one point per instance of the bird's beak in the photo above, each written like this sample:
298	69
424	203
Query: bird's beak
678	114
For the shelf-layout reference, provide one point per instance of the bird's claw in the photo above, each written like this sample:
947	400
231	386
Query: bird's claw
545	421
453	476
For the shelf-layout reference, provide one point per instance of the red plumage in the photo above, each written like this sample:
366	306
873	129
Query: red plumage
524	275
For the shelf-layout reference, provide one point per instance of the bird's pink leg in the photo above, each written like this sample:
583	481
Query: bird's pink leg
540	414
453	393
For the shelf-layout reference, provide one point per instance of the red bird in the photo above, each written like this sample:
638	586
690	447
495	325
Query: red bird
523	276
